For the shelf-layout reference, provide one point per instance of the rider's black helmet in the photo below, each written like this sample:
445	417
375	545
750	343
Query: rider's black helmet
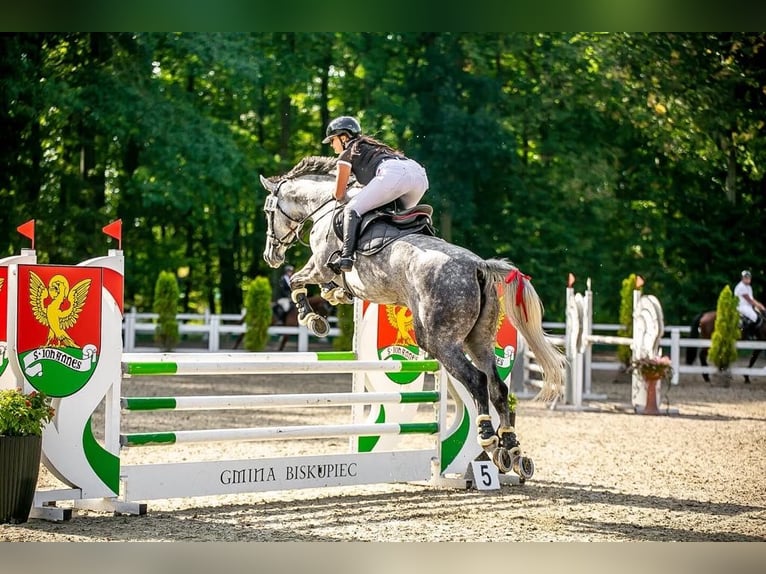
342	125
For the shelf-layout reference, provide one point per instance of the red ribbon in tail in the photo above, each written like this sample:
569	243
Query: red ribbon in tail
516	274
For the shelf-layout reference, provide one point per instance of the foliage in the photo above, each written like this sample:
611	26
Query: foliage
344	342
513	401
257	314
624	352
24	414
602	153
723	343
658	367
166	295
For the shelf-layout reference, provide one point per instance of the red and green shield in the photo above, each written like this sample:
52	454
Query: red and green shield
396	339
505	348
58	338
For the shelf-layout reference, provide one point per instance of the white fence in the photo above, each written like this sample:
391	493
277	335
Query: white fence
672	344
209	328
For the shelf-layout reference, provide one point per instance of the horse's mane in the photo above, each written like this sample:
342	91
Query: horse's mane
311	165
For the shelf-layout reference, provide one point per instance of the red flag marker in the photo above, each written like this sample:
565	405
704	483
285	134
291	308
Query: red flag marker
114	229
28	230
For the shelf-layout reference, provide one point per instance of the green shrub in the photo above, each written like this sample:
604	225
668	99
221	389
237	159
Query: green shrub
257	314
723	344
165	304
624	352
344	342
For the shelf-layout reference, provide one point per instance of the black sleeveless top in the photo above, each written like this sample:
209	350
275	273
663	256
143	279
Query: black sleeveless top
365	157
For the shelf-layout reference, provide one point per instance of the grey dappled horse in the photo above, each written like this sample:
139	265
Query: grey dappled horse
451	292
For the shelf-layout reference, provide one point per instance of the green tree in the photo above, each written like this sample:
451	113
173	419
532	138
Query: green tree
344	342
723	343
257	314
166	294
624	352
599	153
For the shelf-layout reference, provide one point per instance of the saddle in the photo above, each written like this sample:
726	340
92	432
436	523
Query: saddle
381	227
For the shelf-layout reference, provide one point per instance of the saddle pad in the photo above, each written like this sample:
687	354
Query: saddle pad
378	234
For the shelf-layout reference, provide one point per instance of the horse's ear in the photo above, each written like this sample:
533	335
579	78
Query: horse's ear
267	184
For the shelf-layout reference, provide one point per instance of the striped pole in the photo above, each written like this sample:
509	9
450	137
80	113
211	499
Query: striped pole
206	365
265	433
254	401
241	357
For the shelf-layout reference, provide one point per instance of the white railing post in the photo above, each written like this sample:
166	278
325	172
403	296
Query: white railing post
675	355
129	329
215	333
303	339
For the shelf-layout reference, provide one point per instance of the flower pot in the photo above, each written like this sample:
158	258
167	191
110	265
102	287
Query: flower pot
651	407
19	469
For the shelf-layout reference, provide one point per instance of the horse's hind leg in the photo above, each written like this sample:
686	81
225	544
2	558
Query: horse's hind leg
457	364
508	455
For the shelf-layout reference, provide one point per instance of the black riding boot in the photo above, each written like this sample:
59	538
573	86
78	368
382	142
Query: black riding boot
756	327
350	230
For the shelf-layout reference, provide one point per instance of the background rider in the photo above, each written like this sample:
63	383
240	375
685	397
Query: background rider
748	305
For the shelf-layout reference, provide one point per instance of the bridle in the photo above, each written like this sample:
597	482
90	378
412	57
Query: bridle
272	206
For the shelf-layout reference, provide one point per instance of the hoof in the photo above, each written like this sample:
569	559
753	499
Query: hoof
502	459
524	467
318	325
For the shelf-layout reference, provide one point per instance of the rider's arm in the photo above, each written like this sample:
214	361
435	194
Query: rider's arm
341	180
753	301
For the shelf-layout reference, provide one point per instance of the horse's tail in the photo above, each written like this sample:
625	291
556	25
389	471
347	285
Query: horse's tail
524	309
691	352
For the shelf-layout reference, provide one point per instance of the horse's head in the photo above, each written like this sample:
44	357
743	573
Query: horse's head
282	228
291	201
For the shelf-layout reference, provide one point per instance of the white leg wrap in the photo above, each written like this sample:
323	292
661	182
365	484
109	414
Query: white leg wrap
481	418
504	430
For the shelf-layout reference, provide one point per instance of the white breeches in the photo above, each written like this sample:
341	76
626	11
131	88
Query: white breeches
405	180
748	311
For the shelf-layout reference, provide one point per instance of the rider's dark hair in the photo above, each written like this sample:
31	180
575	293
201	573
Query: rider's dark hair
372	141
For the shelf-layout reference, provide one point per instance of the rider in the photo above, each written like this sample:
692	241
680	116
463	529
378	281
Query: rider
284	299
748	305
385	173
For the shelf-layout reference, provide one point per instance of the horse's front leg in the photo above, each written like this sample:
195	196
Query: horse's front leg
310	274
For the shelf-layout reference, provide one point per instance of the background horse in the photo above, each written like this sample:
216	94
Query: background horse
454	295
702	328
321	306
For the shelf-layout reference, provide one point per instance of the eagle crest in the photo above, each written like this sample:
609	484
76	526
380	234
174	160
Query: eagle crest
501	315
400	319
63	310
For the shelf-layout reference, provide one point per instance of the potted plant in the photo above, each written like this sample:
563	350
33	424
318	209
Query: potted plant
22	419
653	370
